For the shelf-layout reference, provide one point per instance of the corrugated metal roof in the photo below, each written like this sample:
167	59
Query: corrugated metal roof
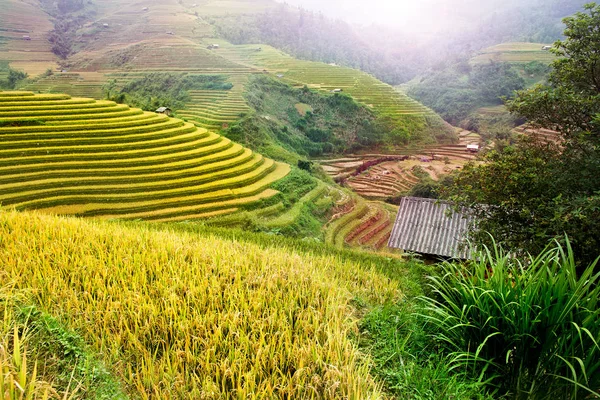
430	226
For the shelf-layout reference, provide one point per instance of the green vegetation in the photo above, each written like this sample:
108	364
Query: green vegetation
407	361
528	329
158	89
42	356
534	191
11	77
336	123
459	89
405	120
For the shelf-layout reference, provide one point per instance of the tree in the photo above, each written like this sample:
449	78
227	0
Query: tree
534	191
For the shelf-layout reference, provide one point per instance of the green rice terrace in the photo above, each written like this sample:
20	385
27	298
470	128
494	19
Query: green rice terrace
97	158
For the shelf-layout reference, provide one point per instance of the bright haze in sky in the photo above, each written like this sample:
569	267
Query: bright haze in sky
418	16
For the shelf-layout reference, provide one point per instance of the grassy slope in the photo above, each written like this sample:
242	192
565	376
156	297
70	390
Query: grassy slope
186	315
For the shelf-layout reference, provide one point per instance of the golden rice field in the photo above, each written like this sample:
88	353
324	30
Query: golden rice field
85	157
182	315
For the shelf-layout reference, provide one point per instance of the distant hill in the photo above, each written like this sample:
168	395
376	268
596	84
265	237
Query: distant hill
24	32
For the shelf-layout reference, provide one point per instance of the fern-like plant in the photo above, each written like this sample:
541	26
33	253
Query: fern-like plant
530	329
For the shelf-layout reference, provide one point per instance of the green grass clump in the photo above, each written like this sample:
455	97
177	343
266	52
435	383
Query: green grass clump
529	329
406	361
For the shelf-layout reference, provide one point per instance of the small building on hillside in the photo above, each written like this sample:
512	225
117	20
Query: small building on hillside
26	37
164	110
105	25
337	91
145	9
546	47
433	228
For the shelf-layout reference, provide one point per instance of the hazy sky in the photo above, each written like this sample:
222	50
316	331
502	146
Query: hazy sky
412	15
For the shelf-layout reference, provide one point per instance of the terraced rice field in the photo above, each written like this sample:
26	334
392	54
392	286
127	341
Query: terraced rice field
389	178
18	19
517	52
83	84
216	109
360	223
545	135
381	97
85	157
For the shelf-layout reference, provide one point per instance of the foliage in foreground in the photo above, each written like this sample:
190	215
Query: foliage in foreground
183	315
528	329
408	362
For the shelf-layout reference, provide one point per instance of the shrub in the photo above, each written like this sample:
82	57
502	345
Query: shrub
528	329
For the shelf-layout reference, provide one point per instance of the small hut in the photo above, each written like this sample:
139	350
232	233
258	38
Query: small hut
164	110
433	228
473	148
26	37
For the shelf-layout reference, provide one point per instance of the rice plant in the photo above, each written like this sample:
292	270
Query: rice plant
183	315
529	329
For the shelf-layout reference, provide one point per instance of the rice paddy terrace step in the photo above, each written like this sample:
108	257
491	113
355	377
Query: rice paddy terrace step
97	158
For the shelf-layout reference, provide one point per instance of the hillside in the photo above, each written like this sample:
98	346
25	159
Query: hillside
123	41
172	314
20	20
97	158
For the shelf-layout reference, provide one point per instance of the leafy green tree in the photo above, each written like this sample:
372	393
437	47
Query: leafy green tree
534	191
13	78
496	80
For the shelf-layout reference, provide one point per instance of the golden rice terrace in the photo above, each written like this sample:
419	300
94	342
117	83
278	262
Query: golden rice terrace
86	157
